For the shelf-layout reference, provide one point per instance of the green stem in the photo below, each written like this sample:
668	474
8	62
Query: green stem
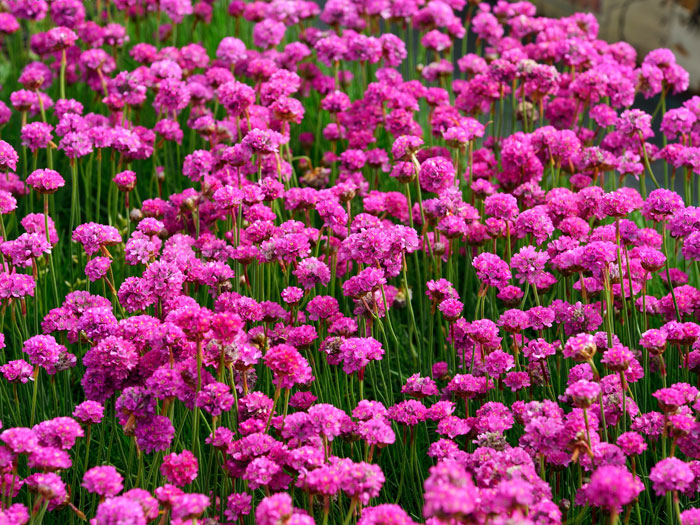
351	510
63	73
34	395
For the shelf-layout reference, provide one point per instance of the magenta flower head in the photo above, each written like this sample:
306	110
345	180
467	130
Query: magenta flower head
155	433
60	38
20	440
631	443
179	469
302	400
502	206
105	481
36	75
5	114
671	474
75	144
17	371
95	236
436	174
538	349
536	222
440	290
690	517
617	204
197	164
384	514
44	351
8	24
45	181
89	412
654	340
362	481
274	509
514	321
60	432
36	135
17	512
120	510
529	264
583	393
49	459
312	271
672	398
451	309
406	146
189	507
491	270
292	294
194	320
440	370
231	50
97	268
215	398
449	492
618	358
357	352
580	347
125	180
288	366
8	157
661	205
238	505
651	259
8	204
635	122
236	97
50	486
510	295
419	387
404	172
335	102
263	141
611	487
268	33
15	285
367	281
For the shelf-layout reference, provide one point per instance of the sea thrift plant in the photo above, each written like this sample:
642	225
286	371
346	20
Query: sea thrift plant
344	263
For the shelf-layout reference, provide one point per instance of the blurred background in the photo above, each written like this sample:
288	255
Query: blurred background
645	24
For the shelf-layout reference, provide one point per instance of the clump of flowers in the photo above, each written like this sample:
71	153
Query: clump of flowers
335	263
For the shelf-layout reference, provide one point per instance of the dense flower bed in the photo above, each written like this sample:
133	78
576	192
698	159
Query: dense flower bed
376	262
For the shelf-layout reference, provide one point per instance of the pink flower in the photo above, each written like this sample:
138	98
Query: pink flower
288	366
612	487
436	174
180	469
105	481
357	352
491	270
670	474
